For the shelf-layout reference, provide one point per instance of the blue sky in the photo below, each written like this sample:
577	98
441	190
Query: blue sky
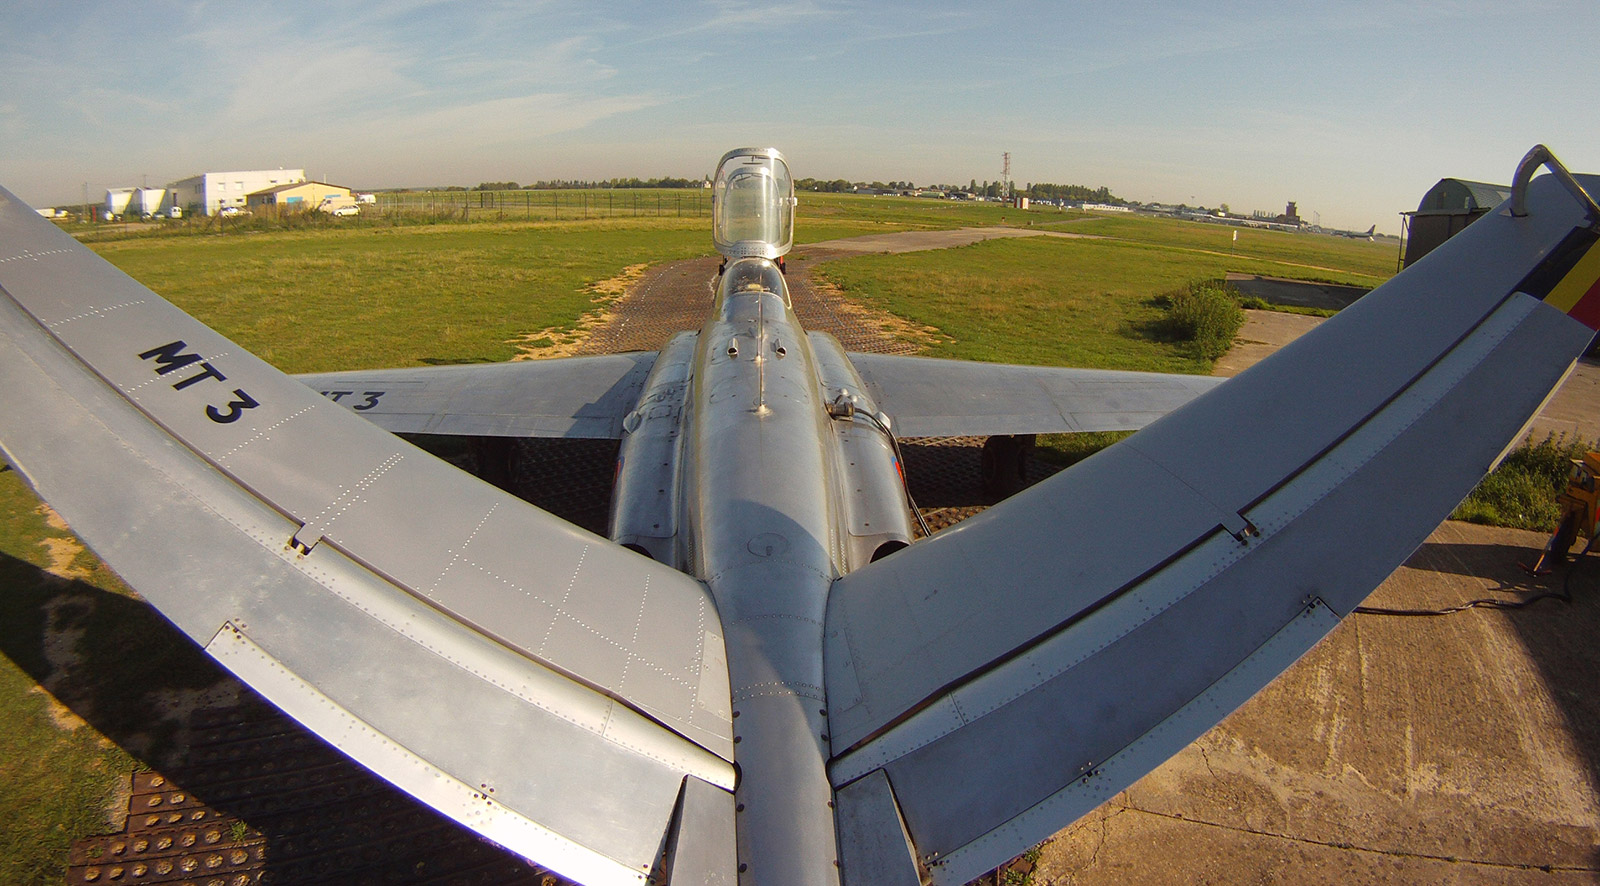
1353	109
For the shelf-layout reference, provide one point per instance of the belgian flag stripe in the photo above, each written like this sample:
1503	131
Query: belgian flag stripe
1578	293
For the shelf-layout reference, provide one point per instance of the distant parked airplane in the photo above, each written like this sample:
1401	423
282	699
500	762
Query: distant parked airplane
1368	234
759	676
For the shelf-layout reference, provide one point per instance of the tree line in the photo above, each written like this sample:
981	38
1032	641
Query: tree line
1040	191
1047	191
1034	191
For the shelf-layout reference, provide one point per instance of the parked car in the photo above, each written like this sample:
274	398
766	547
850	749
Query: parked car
348	209
231	211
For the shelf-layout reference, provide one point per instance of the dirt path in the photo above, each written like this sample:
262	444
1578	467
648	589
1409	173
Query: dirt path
677	296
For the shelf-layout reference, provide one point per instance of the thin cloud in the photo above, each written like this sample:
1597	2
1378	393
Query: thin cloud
728	15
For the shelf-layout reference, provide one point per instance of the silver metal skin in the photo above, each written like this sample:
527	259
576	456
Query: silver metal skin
753	691
590	397
1538	156
645	503
699	851
428	624
930	397
761	527
876	521
873	842
578	397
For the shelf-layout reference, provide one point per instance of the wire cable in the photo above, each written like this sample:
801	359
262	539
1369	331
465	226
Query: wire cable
894	443
1564	595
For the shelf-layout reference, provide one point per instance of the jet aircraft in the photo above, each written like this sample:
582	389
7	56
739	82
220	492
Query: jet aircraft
760	677
1369	234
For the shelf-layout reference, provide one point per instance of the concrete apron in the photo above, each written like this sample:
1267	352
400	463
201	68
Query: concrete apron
1460	749
1456	749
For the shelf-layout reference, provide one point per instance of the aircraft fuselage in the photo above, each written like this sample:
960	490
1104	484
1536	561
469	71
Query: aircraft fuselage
735	470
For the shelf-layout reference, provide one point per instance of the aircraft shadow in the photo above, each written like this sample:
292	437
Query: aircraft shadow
1560	640
305	812
1498	563
945	472
1556	634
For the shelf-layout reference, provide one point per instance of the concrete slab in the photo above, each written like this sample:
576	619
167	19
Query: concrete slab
1282	291
1574	410
1454	749
1263	332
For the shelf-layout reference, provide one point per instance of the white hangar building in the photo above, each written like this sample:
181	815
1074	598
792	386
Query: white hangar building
210	191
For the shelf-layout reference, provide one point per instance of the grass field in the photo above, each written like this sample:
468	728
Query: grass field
1053	301
369	294
1318	257
356	298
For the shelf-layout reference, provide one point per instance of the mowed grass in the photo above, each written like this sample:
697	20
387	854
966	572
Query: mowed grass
1047	300
1096	303
1319	257
361	298
375	296
825	216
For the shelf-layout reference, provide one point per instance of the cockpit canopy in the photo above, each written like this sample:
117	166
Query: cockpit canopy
748	275
752	204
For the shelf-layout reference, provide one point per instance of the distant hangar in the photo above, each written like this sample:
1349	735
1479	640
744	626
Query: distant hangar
206	193
299	195
1445	210
209	192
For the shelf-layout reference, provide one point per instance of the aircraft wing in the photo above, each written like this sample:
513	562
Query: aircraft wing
990	685
928	397
549	689
572	397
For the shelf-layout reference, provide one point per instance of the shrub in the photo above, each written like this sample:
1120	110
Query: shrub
1521	492
1207	316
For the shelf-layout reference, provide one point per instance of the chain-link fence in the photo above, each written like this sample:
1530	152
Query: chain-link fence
546	204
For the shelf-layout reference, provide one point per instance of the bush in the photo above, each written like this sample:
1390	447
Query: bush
1206	315
1521	492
